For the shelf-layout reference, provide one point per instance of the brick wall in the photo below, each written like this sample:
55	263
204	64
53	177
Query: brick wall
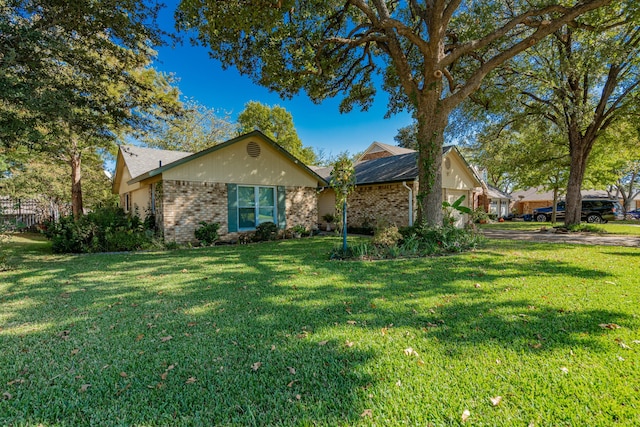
369	204
301	207
186	203
524	207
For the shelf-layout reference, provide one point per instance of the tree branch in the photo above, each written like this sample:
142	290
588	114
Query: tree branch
474	81
569	14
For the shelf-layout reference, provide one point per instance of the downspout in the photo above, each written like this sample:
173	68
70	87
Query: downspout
404	183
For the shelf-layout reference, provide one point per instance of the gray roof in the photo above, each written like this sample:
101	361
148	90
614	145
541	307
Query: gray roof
140	160
494	193
402	167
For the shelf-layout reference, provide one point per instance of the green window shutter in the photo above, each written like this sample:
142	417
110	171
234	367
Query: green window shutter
282	208
232	207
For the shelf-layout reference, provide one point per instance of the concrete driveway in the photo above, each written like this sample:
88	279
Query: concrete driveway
558	237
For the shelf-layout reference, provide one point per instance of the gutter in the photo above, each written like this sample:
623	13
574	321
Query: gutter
404	184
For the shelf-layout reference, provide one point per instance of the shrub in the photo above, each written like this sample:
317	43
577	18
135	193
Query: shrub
448	238
449	208
172	245
362	250
479	215
300	229
150	221
106	229
207	234
329	218
386	236
265	231
420	240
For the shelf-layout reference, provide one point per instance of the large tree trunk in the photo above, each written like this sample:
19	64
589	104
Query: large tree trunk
579	151
554	209
627	192
432	121
76	185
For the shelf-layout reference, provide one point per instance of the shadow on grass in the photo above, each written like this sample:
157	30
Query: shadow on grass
625	254
251	334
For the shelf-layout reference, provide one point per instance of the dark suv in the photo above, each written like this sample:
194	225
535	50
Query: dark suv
593	210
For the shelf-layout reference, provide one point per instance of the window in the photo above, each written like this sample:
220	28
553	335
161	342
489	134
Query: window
127	202
256	205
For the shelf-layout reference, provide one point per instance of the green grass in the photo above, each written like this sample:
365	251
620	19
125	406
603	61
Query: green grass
170	338
630	228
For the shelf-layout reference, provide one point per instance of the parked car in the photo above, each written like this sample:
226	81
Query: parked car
634	214
593	211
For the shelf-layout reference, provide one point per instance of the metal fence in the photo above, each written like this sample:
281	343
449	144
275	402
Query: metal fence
28	213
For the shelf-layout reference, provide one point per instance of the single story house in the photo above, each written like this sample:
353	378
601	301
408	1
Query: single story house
495	201
525	201
238	184
378	150
387	186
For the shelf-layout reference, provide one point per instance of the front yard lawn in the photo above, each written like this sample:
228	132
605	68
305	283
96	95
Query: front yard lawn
275	334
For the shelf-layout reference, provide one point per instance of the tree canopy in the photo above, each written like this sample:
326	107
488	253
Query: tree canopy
430	55
580	82
198	127
407	136
276	123
58	60
75	75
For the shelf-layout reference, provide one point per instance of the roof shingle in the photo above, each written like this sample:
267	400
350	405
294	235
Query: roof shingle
140	160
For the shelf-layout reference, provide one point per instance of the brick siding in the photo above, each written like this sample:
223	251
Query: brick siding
370	204
185	203
301	207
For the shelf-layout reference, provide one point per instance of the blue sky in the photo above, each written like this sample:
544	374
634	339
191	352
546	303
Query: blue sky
319	126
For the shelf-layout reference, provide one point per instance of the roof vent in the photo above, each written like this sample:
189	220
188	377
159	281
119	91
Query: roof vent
253	149
447	163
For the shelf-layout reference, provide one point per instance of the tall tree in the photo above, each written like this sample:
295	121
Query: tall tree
277	123
526	154
432	55
581	81
38	176
76	74
197	128
620	162
494	153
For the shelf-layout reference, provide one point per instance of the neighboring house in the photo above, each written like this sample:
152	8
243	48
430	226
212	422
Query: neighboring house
525	201
496	202
387	186
378	150
238	184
